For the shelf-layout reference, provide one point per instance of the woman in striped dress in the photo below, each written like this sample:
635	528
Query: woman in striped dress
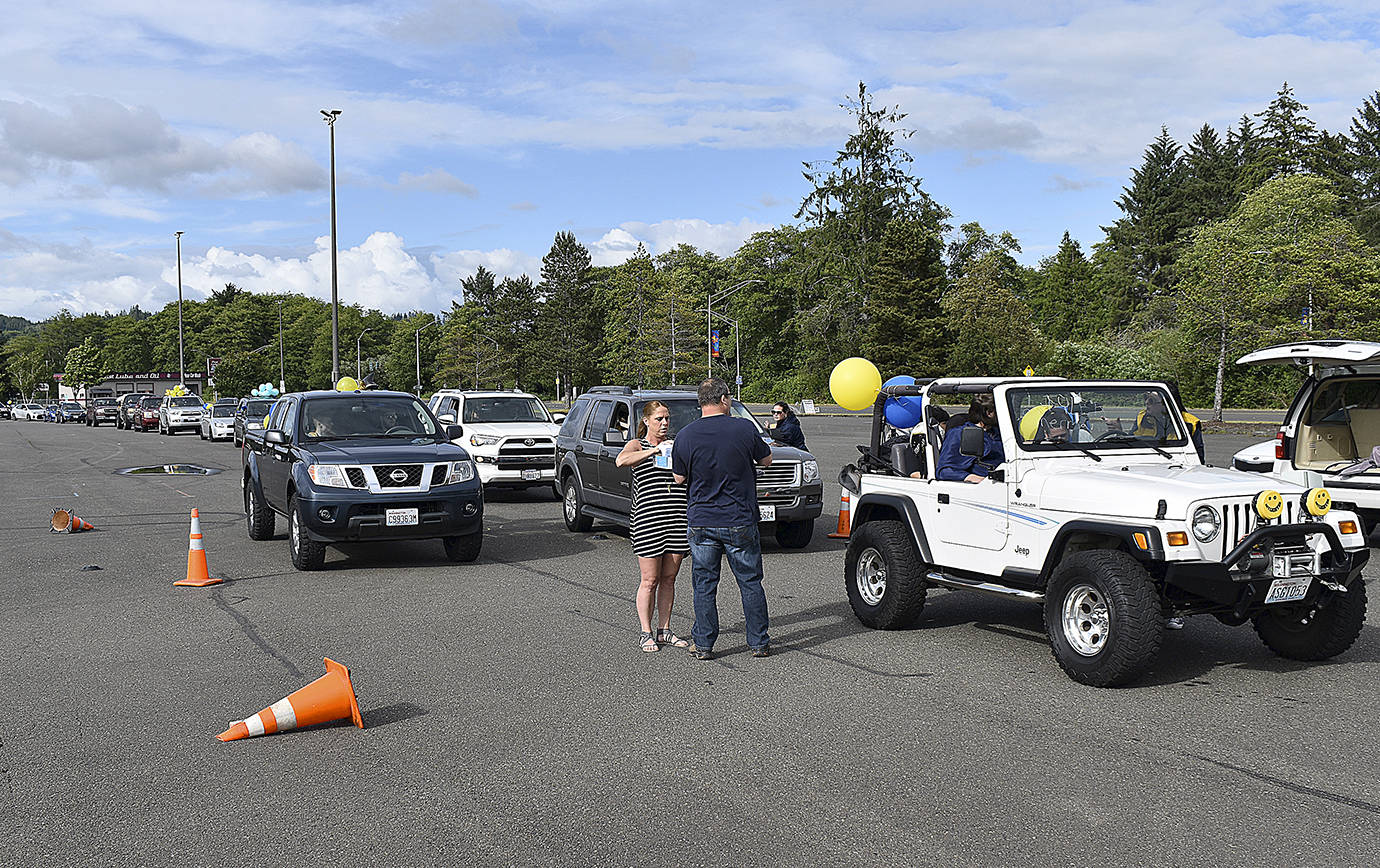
660	538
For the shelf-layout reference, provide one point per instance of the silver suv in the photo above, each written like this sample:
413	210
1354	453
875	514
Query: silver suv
179	413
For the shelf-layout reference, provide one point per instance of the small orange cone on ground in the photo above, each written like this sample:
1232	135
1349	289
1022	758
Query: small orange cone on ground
197	575
330	697
845	517
66	521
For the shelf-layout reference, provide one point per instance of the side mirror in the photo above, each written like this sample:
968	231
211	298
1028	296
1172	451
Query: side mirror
558	418
970	444
614	438
447	418
275	437
454	432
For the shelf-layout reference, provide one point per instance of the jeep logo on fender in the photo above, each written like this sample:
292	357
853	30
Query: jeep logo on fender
398	475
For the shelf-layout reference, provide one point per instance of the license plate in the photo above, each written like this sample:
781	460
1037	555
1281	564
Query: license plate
768	512
400	517
1288	590
531	474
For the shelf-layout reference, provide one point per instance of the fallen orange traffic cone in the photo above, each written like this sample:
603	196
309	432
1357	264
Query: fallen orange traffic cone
845	517
66	521
197	575
328	698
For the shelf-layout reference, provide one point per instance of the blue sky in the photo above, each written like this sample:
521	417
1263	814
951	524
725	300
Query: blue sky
472	131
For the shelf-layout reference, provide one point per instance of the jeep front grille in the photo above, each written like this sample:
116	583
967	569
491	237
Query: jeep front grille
409	477
782	474
1239	519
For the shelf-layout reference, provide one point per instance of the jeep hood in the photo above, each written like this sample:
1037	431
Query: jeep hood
1133	491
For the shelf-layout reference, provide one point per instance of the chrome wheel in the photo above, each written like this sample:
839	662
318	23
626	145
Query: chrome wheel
1087	619
572	504
294	531
871	576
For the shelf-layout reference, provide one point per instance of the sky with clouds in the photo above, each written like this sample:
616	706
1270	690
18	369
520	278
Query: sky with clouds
472	131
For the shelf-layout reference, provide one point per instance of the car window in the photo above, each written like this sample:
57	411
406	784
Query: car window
257	410
221	411
687	410
504	409
364	415
618	421
1053	417
288	422
185	401
599	420
1334	401
575	417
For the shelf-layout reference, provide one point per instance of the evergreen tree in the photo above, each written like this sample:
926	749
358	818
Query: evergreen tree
1063	295
566	325
908	331
1363	194
633	326
1287	136
1210	178
1244	145
1149	233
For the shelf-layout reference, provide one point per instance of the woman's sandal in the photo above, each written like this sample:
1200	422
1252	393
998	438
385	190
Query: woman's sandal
649	644
666	637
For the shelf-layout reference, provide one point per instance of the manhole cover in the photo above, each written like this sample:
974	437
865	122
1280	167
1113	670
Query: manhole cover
170	470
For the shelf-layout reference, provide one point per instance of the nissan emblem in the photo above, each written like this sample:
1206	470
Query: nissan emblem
398	475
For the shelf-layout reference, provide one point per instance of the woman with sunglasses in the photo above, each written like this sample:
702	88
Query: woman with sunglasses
785	426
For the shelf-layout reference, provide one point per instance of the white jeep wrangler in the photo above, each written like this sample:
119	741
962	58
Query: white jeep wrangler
1100	511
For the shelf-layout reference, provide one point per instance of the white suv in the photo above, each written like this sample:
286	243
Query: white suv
510	435
179	413
1100	511
1333	422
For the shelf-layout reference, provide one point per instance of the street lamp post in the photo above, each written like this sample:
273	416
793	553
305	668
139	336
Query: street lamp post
417	339
737	353
282	380
709	322
330	117
181	363
358	371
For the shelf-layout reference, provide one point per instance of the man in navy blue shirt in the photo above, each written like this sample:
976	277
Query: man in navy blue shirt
718	456
953	465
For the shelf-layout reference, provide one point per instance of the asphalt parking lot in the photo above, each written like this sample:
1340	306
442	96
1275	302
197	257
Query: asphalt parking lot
510	718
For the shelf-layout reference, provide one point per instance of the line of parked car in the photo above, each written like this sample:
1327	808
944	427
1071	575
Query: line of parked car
226	419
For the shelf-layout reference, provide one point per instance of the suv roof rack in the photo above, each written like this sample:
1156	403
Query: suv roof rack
611	390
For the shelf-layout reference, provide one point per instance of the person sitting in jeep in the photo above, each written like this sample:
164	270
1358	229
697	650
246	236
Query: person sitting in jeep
952	465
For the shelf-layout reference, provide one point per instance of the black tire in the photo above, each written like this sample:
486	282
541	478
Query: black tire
572	508
463	549
884	576
1106	603
1314	632
307	553
794	534
259	519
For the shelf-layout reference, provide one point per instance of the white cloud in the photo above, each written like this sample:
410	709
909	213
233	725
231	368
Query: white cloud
619	243
436	181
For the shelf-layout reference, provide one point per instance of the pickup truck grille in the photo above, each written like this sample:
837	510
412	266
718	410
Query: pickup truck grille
781	474
410	477
1239	519
356	477
438	475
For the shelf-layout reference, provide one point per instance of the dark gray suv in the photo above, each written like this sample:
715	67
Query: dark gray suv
789	492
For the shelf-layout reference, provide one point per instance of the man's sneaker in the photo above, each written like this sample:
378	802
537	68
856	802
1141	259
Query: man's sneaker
764	651
701	653
1174	623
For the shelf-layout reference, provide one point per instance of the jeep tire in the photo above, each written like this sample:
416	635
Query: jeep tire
572	507
794	534
1314	632
307	553
463	549
259	519
1103	617
884	576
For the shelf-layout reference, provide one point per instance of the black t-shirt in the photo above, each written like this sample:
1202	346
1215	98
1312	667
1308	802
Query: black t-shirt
718	457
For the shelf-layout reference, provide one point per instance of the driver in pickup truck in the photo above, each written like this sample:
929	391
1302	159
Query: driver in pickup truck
953	465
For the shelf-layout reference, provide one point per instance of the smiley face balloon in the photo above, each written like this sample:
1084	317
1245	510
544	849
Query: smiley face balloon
1269	504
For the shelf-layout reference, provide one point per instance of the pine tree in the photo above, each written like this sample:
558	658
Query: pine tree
1363	195
1287	135
1062	295
1209	178
907	331
1244	145
1149	233
566	325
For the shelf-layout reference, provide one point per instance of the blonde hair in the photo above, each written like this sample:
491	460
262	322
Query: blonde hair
647	410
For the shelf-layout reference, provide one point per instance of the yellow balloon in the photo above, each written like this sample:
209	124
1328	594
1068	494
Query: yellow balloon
347	384
854	383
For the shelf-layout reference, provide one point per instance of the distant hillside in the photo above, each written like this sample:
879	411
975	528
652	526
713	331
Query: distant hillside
13	325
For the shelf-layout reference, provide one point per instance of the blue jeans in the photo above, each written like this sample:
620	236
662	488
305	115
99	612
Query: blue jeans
743	546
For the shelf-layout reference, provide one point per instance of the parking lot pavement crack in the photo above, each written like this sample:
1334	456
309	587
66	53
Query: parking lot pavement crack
247	627
1292	787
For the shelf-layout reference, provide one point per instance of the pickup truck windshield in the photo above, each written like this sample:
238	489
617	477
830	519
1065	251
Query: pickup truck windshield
365	416
515	409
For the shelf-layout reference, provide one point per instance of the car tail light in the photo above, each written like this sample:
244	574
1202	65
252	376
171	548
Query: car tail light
1279	446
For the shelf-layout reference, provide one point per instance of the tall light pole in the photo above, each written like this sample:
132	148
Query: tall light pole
330	117
181	363
358	371
417	339
282	380
709	321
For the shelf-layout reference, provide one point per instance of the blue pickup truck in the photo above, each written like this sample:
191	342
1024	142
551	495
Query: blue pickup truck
357	466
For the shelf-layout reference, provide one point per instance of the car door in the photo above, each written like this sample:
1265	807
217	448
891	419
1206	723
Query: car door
588	451
275	460
615	481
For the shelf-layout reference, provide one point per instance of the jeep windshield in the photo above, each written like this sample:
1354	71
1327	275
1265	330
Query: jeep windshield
505	409
1079	418
371	416
686	410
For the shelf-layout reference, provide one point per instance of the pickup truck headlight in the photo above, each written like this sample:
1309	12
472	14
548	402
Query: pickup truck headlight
1206	524
460	471
810	470
483	440
328	475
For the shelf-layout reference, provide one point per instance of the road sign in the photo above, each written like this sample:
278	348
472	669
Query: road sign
738	380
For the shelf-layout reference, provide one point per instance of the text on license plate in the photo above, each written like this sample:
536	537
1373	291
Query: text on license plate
768	512
400	517
531	474
1287	590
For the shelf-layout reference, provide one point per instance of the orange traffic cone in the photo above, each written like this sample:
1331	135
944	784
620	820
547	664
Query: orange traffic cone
845	517
66	521
197	576
328	698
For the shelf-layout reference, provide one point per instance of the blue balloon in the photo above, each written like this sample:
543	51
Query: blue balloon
904	412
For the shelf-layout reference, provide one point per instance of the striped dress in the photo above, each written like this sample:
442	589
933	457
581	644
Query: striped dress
658	524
